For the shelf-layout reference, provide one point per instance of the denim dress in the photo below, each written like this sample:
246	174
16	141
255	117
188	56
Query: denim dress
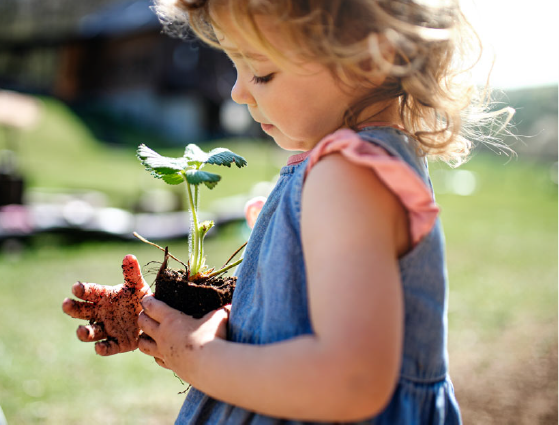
270	304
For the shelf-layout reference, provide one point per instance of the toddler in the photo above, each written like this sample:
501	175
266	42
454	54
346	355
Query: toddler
340	311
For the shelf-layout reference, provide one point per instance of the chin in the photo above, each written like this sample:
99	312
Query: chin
293	145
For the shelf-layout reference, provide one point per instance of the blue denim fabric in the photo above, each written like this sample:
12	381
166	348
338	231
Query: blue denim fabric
270	304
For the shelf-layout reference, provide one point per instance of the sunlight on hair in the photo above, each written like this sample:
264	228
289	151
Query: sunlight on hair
426	52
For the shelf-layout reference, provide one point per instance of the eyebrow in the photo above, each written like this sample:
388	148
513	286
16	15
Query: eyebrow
252	56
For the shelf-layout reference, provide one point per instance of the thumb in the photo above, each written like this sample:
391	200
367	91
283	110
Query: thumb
132	273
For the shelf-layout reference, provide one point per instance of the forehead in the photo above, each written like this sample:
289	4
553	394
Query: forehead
235	45
257	40
260	40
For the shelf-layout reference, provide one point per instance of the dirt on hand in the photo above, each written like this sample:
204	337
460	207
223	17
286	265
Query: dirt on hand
112	311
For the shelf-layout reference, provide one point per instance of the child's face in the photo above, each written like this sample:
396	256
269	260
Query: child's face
297	106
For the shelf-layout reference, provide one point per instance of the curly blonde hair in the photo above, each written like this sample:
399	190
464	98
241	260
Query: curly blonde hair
429	43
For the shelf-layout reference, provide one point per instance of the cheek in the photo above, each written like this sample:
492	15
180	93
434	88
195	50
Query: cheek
306	109
304	120
278	107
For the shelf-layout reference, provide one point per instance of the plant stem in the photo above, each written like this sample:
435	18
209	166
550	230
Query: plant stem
196	197
200	246
224	269
195	244
235	253
201	252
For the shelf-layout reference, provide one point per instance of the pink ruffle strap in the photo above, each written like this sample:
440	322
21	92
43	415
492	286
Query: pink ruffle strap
398	176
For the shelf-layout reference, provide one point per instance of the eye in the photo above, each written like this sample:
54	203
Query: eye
262	80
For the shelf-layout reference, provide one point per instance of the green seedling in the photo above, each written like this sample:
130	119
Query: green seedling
188	169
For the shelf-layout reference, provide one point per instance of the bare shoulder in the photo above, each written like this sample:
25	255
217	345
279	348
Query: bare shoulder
338	189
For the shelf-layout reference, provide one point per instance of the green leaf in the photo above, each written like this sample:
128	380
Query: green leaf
196	177
194	154
172	170
160	165
218	156
172	178
222	156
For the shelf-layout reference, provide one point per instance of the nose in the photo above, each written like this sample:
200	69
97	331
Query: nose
241	95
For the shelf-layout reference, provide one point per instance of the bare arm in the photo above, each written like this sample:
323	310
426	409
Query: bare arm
353	229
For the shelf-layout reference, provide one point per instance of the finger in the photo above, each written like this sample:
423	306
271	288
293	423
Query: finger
156	309
147	324
90	333
132	273
89	291
108	347
161	363
147	345
78	309
221	315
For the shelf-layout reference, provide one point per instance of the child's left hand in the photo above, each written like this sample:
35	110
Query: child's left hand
173	337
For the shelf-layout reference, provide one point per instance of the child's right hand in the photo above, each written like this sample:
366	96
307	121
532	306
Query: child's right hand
111	310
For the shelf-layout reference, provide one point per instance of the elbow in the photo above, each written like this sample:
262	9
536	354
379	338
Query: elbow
364	388
365	397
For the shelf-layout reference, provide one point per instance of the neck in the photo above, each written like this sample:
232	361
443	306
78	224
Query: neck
386	111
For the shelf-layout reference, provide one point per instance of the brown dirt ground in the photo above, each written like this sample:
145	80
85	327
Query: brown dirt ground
510	379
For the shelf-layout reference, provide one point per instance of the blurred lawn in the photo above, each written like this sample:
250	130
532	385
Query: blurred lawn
502	260
502	245
62	153
47	376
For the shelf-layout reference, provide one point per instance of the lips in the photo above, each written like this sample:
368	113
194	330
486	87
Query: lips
266	127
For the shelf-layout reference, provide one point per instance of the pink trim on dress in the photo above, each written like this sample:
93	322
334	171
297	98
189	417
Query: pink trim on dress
398	176
300	157
297	158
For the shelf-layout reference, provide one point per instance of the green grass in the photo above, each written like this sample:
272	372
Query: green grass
46	374
502	246
502	261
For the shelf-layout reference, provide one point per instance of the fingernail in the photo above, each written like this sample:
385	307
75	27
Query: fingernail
78	289
66	305
144	301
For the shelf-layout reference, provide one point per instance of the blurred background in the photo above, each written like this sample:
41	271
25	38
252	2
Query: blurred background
82	84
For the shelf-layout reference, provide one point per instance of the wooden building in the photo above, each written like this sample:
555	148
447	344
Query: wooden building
116	66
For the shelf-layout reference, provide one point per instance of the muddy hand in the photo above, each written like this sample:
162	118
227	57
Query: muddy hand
112	311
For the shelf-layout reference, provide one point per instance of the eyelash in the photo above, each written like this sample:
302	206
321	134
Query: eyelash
256	79
262	80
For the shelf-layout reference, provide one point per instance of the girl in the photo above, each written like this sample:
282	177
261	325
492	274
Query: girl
339	314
